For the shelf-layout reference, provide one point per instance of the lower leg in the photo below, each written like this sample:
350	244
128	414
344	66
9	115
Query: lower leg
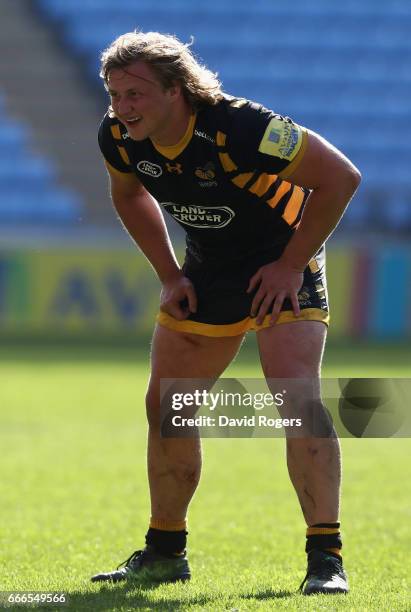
314	465
174	467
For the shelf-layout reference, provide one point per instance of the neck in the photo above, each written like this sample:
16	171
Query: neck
175	126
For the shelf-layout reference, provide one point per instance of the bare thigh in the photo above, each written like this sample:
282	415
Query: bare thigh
181	355
292	350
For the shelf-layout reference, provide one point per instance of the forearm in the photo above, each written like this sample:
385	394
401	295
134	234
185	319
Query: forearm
322	213
143	220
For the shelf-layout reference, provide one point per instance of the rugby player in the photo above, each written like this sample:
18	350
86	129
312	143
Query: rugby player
257	195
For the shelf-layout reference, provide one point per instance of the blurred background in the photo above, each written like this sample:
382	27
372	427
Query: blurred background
68	270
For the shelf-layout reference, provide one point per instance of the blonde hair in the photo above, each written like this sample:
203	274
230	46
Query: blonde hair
171	61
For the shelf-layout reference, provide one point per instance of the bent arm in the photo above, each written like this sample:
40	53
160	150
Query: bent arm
333	180
141	216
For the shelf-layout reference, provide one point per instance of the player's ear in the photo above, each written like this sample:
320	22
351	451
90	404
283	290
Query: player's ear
174	92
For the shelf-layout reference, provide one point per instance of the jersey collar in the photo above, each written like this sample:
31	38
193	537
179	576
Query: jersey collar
173	151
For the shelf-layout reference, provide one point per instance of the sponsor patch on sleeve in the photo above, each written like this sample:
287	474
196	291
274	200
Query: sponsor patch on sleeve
281	139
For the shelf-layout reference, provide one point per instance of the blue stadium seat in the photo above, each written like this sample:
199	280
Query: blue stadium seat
38	172
13	134
30	192
396	216
46	205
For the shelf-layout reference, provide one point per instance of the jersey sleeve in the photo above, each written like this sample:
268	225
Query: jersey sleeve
259	139
110	140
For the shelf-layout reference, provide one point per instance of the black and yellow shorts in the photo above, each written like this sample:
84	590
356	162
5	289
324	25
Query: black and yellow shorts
224	306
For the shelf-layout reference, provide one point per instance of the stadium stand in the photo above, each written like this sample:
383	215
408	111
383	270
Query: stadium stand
340	68
29	187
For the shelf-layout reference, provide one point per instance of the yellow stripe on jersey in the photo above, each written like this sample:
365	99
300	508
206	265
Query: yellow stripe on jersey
281	139
124	155
313	264
263	184
227	162
221	139
293	207
264	180
281	191
242	179
115	130
124	175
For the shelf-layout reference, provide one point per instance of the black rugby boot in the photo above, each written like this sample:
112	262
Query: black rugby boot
148	565
325	574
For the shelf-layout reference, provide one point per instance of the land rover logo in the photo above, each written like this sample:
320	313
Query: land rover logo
213	217
149	168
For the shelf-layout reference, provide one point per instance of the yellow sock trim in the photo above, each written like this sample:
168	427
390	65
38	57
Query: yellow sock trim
167	525
322	530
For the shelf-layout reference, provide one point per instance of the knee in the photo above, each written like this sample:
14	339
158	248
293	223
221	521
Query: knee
159	413
294	369
316	422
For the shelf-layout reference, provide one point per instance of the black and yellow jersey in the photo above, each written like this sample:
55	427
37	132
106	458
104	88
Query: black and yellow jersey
224	182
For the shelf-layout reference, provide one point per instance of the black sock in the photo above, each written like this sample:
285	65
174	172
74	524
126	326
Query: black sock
324	536
167	543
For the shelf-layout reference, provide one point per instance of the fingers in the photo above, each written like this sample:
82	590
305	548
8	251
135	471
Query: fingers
274	284
179	300
254	280
191	298
261	306
295	304
255	305
263	309
175	310
278	304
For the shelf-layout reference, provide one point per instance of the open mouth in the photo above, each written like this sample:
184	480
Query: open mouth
133	120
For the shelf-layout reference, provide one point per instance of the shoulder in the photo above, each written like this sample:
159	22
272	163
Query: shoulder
111	129
259	136
248	121
242	123
112	140
236	119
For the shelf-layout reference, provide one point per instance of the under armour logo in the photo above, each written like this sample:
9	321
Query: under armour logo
177	168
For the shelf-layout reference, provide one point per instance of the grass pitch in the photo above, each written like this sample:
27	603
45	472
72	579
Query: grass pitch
74	496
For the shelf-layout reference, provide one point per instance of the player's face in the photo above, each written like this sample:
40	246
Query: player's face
141	103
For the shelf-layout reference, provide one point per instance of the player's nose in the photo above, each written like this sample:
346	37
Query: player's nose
124	108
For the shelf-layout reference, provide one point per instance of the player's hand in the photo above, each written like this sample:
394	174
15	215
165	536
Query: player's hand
178	298
276	281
